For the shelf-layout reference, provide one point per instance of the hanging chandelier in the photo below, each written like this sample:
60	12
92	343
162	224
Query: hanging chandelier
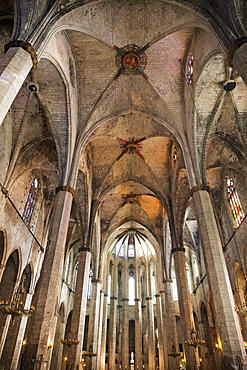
88	354
194	341
241	308
174	353
16	307
70	341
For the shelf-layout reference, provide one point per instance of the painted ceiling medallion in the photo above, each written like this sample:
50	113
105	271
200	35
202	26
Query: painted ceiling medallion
130	146
131	59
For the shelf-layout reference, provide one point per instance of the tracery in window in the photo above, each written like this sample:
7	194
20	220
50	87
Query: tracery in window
90	285
30	202
235	204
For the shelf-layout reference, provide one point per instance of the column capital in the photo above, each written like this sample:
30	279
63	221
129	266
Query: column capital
234	46
25	46
125	299
167	281
149	298
157	295
113	298
84	249
195	188
137	299
178	249
65	188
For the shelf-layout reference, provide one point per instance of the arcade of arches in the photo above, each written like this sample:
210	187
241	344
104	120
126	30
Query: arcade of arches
123	195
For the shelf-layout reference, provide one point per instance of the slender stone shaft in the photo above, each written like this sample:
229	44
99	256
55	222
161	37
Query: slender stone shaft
229	330
185	306
80	307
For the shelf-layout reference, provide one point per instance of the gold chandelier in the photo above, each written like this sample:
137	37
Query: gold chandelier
16	307
174	353
194	341
70	341
88	354
241	308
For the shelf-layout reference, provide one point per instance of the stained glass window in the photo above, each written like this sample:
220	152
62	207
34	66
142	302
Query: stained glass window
174	155
235	205
153	288
30	202
75	275
121	251
109	290
90	285
131	291
190	69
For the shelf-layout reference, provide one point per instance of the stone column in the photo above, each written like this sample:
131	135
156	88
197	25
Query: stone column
104	330
150	334
225	316
138	322
50	280
125	320
113	319
20	337
150	324
94	323
161	334
80	307
15	65
170	322
185	307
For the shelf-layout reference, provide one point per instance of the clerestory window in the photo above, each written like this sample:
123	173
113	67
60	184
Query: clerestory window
30	202
235	204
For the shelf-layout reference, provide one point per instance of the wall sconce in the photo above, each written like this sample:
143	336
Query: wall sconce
217	346
24	342
49	345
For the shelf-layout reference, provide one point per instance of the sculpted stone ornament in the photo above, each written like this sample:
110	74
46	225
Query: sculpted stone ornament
131	59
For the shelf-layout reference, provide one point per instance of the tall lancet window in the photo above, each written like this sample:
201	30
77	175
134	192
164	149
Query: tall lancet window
30	202
131	285
235	204
90	285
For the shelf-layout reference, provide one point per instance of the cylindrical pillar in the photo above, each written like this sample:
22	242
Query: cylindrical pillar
226	318
113	319
138	321
50	281
150	323
170	323
125	320
104	298
185	307
94	322
161	333
80	307
14	68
